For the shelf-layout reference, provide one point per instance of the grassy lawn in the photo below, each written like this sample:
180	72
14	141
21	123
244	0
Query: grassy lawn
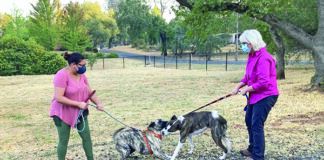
138	95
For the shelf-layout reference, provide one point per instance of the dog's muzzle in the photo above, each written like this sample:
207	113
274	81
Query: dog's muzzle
164	132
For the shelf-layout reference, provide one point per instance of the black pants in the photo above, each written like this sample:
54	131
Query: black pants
255	117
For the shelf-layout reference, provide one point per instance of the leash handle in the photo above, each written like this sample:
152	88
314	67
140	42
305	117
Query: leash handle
80	114
91	94
212	102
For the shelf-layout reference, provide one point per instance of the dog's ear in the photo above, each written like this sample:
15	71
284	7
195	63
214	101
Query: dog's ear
152	124
174	117
158	121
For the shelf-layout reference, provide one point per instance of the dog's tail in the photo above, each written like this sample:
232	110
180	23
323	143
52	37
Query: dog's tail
219	135
116	132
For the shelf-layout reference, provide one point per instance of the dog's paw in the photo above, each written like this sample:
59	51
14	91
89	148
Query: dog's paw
222	157
167	157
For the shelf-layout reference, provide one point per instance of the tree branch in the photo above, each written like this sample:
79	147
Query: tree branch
185	3
293	31
320	5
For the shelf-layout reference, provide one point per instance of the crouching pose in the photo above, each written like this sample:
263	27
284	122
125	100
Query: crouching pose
195	123
129	140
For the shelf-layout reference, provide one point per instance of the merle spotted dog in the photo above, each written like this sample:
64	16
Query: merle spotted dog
129	140
195	123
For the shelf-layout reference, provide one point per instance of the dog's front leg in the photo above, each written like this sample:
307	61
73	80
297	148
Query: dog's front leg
192	146
176	151
182	140
157	151
162	155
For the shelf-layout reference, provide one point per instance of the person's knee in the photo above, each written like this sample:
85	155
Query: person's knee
257	125
248	122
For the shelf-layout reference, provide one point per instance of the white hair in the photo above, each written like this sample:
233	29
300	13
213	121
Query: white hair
253	37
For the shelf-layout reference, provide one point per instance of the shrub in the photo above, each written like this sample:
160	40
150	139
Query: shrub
92	58
27	57
111	55
99	55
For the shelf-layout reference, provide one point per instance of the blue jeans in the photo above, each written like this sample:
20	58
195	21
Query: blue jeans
255	117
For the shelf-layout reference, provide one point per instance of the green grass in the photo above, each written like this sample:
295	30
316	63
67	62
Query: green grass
139	95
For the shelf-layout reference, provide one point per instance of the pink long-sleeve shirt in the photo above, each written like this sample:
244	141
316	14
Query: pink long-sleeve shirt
261	74
77	90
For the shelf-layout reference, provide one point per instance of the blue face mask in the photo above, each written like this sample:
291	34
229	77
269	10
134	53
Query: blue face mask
82	69
245	48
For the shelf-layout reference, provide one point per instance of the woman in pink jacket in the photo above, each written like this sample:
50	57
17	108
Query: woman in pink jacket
261	85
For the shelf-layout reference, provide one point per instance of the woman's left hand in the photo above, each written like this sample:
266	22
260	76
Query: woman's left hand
243	91
100	107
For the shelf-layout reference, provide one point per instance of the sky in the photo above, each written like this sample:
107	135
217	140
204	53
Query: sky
7	6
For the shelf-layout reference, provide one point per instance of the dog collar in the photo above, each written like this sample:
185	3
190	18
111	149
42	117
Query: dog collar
157	135
147	143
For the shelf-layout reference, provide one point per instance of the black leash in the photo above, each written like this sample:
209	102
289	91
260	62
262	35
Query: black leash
111	116
212	102
247	102
80	114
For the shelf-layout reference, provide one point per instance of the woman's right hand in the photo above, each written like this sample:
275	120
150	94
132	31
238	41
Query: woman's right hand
83	105
235	91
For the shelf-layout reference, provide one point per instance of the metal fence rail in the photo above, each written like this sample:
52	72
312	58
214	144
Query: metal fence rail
227	61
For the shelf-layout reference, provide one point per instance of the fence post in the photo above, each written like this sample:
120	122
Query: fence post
123	62
144	61
103	62
206	61
226	57
154	61
190	61
176	62
164	61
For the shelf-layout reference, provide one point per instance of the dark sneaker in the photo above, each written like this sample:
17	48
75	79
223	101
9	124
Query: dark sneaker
246	153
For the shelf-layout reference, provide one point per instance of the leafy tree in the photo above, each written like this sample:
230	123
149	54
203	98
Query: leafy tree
101	26
133	18
4	20
43	23
17	26
74	35
309	34
141	26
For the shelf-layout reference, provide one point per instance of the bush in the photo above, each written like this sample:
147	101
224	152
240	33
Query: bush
112	55
92	58
27	57
99	55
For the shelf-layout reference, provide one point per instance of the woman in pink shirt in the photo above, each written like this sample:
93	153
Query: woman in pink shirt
71	94
261	85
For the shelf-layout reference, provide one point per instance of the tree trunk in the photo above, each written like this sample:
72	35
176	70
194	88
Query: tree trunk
280	55
164	43
318	49
318	55
110	42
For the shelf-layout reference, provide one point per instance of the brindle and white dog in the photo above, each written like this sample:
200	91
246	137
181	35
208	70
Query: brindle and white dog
195	123
129	140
